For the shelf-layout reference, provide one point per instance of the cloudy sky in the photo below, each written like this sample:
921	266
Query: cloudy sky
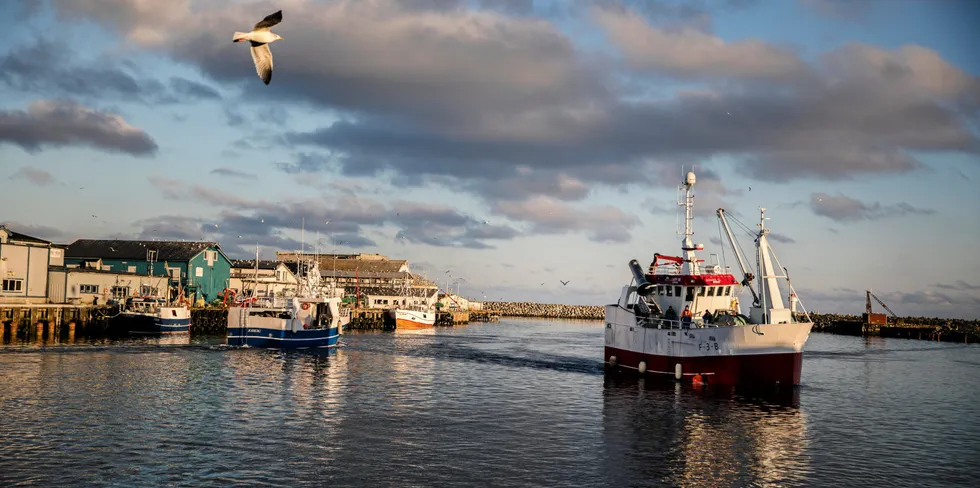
512	142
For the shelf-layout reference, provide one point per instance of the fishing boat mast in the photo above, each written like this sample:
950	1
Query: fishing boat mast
690	266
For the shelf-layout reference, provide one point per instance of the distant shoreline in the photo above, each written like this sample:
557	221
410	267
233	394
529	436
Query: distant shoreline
597	312
547	310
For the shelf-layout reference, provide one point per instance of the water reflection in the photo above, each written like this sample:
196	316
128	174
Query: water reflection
678	435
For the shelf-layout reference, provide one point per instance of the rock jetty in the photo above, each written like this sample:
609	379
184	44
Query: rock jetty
547	310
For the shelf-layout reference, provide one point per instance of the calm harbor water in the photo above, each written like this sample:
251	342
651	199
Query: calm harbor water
515	403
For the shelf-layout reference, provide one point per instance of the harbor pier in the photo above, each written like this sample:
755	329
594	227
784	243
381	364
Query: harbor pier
48	322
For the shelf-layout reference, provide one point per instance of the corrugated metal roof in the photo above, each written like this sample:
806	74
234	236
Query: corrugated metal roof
136	250
250	264
385	291
59	269
349	264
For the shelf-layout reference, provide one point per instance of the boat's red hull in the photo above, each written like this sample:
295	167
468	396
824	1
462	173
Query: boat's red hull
744	369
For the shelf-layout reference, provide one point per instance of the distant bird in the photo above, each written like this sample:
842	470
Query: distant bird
260	37
564	283
111	249
485	222
542	283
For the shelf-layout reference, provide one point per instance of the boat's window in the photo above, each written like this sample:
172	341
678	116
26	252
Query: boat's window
670	291
690	294
728	290
174	312
700	291
677	291
661	289
711	291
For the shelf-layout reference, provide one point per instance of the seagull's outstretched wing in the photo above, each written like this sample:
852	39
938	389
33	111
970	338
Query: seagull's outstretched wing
269	21
262	57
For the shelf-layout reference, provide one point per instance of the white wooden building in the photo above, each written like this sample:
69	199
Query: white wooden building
270	280
456	302
384	297
94	286
24	264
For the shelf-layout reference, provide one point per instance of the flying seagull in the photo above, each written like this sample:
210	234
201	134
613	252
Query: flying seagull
564	283
260	37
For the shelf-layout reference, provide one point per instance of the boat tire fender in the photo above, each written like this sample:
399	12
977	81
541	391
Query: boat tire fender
642	367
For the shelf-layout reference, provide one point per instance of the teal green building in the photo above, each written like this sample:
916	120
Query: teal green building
199	268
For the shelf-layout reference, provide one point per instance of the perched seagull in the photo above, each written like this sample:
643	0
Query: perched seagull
260	37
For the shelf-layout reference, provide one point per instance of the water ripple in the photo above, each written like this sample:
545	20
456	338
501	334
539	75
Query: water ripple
519	403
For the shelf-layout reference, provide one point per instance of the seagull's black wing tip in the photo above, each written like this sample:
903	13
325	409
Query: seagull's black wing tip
270	20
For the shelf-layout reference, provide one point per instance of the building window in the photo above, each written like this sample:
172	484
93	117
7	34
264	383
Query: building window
93	289
13	285
146	290
131	269
120	291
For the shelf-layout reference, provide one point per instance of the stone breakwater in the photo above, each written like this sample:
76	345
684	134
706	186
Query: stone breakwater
931	328
547	310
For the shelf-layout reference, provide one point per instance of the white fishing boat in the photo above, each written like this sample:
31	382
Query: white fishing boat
682	317
150	315
306	320
414	313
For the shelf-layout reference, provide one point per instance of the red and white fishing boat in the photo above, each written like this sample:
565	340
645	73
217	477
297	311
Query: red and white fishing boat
649	330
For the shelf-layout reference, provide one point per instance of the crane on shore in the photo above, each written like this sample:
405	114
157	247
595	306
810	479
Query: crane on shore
875	320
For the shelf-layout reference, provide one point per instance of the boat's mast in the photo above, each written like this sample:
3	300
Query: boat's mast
687	245
769	288
255	280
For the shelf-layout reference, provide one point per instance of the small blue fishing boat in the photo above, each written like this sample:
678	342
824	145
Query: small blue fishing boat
152	316
299	323
304	321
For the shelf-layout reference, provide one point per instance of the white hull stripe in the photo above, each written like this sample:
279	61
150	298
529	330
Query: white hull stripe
281	338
